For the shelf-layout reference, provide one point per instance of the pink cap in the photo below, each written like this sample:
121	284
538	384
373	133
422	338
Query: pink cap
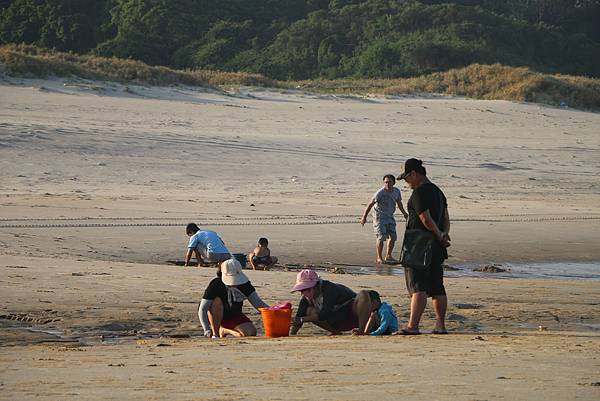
306	279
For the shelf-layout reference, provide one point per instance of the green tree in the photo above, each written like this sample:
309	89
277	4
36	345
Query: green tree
22	21
73	25
152	30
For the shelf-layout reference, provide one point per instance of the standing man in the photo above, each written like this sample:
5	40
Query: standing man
427	210
384	224
206	244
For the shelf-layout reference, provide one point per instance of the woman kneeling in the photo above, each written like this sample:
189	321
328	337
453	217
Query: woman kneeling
220	311
331	306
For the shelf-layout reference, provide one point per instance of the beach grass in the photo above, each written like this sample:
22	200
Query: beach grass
32	61
476	81
489	82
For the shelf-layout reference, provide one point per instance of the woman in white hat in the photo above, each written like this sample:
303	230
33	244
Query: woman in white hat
220	311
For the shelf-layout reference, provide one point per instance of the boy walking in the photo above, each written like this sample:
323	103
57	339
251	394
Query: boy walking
384	203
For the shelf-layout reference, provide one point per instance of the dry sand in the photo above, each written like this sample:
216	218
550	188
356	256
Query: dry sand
97	181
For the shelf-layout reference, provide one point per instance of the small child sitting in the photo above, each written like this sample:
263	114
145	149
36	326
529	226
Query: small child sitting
382	317
261	257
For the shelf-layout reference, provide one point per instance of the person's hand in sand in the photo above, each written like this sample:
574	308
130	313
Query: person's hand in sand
356	332
331	306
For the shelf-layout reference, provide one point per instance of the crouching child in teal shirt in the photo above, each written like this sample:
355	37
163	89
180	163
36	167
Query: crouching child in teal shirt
383	320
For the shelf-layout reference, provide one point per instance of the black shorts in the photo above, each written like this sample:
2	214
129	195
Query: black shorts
430	281
262	260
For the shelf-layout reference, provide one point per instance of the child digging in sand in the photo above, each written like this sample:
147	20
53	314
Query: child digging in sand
206	245
383	318
260	257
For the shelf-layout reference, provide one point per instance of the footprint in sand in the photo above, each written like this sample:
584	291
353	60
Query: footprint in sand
29	318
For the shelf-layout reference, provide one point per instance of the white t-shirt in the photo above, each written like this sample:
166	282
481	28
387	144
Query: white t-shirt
207	241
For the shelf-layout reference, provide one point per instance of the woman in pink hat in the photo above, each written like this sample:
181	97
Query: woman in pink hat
331	306
220	311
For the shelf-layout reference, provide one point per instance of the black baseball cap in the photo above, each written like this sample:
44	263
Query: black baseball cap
409	166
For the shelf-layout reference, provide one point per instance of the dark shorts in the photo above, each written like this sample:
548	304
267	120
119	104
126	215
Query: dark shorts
345	319
430	281
232	321
216	257
262	260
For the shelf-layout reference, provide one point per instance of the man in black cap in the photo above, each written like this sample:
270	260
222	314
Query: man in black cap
427	210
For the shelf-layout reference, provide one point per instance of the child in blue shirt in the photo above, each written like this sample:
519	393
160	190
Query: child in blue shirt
383	318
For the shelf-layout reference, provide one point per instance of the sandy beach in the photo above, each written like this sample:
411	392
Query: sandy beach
99	179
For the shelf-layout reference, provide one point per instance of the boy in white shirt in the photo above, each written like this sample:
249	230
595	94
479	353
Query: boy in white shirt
206	245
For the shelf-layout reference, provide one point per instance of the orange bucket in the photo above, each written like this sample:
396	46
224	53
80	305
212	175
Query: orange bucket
276	321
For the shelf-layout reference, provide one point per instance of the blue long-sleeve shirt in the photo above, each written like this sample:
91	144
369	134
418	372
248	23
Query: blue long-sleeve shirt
388	322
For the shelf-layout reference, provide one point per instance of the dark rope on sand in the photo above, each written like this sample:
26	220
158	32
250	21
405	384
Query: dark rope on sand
273	222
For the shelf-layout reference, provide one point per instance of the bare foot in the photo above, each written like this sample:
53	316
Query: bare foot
440	330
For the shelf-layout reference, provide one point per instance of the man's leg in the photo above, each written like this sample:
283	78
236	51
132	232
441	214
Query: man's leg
379	250
440	304
362	309
440	301
391	231
390	249
418	302
215	316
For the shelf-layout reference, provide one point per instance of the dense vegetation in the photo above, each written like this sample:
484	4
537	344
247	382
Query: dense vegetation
310	39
